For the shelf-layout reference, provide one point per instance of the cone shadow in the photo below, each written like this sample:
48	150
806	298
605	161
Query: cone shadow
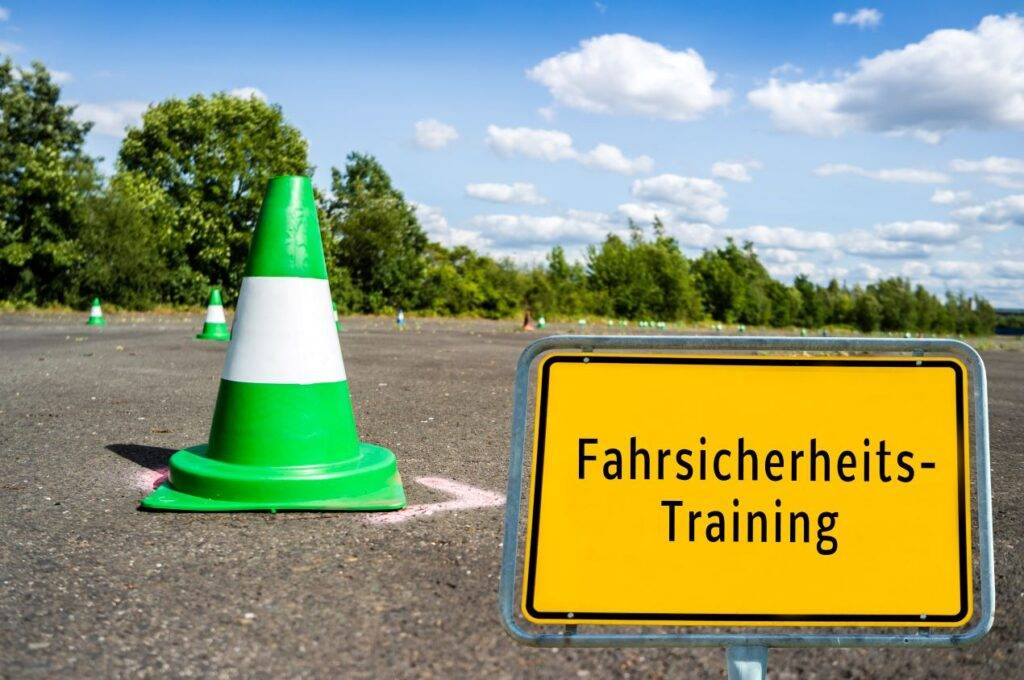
150	457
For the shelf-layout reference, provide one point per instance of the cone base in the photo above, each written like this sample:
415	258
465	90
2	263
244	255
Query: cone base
201	484
96	321
217	332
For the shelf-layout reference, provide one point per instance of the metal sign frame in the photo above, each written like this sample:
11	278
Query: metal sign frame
749	650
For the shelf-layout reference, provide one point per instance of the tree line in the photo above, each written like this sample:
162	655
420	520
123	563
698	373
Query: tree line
177	213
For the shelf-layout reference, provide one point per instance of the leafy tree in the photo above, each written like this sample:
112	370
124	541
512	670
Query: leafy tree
897	303
813	310
867	311
460	281
376	235
734	284
128	243
642	279
213	156
787	304
44	178
838	304
568	285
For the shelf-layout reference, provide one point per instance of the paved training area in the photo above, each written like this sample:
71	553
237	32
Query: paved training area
92	586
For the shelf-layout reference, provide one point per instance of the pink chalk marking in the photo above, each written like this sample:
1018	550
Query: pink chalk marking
466	498
150	479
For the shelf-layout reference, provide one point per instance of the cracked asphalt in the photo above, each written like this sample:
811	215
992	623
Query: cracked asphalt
90	586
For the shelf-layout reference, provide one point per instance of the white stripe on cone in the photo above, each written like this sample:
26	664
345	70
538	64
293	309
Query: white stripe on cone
95	311
215	314
284	333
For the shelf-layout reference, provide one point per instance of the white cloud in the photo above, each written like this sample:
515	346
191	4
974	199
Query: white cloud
248	92
611	158
624	74
992	165
1010	269
948	196
785	237
1002	281
920	231
907	175
865	17
997	169
805	107
5	13
790	270
1004	182
546	145
574	227
864	272
787	69
951	79
555	145
432	134
956	270
778	255
688	233
60	77
111	119
517	192
9	47
736	171
695	198
436	225
691	234
867	244
995	215
547	113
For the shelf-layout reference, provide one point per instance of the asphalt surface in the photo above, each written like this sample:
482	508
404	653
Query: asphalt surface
91	586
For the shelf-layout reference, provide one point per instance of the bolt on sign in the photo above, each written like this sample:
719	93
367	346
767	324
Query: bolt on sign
749	491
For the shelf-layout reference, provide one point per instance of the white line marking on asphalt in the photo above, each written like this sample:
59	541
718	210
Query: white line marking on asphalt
466	498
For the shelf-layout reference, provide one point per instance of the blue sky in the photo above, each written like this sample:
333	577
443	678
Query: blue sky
844	140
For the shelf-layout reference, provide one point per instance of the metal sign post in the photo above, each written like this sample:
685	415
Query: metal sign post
596	437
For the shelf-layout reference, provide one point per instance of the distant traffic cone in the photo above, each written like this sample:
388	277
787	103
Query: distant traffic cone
96	314
215	327
283	435
337	321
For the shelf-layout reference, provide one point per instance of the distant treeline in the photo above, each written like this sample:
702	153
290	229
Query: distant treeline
177	216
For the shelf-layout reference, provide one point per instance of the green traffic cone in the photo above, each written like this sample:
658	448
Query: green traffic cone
283	435
96	314
215	327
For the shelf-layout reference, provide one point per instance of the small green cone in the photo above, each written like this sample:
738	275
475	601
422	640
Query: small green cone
96	314
215	327
283	435
334	310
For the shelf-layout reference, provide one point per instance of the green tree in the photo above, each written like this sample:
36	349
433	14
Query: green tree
897	303
642	279
813	302
567	285
838	304
213	156
460	281
734	284
44	178
376	236
867	311
128	246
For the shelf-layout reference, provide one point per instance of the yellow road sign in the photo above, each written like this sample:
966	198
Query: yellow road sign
749	490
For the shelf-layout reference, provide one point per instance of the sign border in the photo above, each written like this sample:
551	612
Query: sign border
569	635
840	619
